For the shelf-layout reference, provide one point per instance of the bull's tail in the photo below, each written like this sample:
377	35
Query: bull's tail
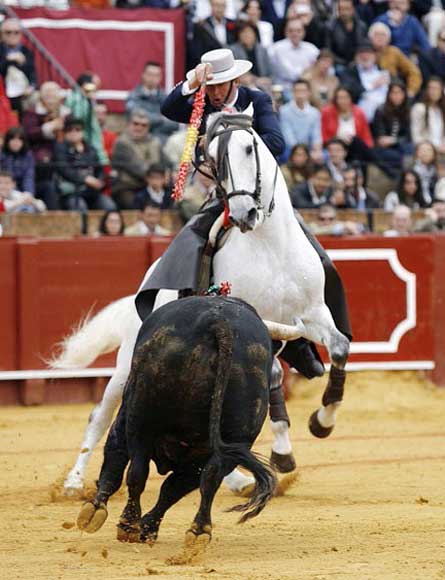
98	335
237	453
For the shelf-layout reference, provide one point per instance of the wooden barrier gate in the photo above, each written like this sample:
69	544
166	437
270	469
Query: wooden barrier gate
395	288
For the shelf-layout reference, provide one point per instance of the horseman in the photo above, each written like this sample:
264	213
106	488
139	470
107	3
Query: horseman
180	265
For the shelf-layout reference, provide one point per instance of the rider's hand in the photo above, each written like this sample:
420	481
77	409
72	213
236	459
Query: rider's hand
202	72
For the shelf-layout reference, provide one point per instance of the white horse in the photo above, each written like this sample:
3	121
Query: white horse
269	262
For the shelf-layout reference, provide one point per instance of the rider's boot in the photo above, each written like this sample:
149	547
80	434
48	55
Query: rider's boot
303	356
281	458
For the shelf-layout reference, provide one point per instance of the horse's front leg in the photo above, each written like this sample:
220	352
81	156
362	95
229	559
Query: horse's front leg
320	328
281	457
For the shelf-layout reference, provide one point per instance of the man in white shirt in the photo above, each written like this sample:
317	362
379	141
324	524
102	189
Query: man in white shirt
292	56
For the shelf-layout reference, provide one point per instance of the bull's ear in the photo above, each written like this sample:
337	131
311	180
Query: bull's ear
249	111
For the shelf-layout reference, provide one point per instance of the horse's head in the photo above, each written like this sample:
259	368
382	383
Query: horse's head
232	151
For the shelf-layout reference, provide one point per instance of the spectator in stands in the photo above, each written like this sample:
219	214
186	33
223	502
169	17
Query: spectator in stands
16	64
391	59
428	116
322	81
81	102
174	147
346	121
8	117
43	125
336	151
79	174
435	217
367	83
315	29
155	189
409	192
407	33
345	33
291	56
216	31
16	158
299	166
301	122
432	62
196	193
108	137
149	96
401	222
391	126
327	224
359	197
111	223
274	11
134	152
149	222
340	198
248	48
12	200
425	165
251	11
314	192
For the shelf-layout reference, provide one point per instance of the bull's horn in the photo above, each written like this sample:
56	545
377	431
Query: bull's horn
279	331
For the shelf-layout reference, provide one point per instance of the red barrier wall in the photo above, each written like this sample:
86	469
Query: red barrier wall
395	288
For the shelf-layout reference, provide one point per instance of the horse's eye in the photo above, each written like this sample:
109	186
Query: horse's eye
249	150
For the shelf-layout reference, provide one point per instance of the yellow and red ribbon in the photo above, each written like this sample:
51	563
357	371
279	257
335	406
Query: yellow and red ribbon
191	139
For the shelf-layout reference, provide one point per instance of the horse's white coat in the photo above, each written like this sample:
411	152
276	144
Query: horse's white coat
273	267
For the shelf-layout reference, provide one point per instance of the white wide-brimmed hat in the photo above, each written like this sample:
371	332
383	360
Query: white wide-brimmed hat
224	67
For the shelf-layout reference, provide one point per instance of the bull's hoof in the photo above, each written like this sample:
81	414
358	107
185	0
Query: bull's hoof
91	517
283	463
130	534
195	545
317	429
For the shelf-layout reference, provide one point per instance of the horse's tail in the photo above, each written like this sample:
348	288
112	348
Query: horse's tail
97	335
236	453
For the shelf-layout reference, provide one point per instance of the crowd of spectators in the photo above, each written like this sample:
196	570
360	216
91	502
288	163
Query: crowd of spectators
354	84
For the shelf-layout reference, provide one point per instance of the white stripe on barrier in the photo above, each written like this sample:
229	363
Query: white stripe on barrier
418	365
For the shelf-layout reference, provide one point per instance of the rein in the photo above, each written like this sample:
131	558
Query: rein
223	169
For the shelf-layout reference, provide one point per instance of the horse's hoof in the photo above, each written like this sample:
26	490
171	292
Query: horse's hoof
128	534
91	518
72	485
147	537
317	429
283	463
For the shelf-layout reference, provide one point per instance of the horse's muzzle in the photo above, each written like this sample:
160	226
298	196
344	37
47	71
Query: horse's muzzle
247	222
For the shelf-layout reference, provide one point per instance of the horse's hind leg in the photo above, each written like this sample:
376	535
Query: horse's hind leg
321	329
101	417
93	513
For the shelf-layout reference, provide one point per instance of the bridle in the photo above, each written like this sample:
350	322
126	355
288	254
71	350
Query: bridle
223	127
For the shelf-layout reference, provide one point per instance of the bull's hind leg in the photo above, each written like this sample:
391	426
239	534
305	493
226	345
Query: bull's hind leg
321	329
128	529
175	487
93	513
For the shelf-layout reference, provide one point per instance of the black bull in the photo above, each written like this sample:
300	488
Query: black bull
195	401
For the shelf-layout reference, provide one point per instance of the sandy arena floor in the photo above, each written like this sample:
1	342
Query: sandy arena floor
369	503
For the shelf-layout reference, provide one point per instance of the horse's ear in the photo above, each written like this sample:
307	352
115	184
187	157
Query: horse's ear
249	110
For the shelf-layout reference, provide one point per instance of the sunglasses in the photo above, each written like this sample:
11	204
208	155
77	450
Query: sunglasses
137	124
11	31
441	39
71	129
326	219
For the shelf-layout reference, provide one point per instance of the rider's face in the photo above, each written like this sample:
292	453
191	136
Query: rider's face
221	93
